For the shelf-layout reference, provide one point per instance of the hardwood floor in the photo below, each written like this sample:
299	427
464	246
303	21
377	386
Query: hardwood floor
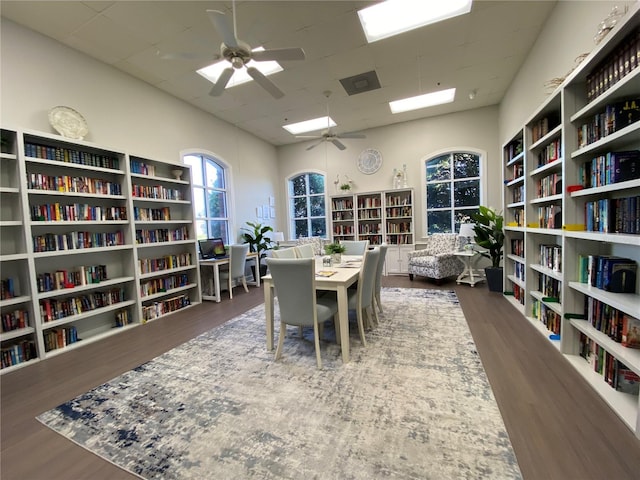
560	429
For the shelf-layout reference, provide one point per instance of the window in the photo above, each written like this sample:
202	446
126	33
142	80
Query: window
210	196
307	205
452	190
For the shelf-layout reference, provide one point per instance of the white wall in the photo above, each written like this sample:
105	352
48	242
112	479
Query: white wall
404	143
569	33
124	113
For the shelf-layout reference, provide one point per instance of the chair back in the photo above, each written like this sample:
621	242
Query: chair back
305	251
383	255
284	253
354	247
237	259
294	281
367	278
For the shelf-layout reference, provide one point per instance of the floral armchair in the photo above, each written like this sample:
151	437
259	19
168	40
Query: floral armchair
437	260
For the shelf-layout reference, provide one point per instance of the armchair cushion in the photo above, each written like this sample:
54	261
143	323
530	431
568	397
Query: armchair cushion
437	260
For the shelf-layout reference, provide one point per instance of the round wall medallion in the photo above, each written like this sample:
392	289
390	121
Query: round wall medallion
369	161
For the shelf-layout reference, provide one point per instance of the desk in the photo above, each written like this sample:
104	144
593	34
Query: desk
339	283
470	274
216	263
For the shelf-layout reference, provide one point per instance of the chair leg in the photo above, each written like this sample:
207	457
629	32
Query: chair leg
316	339
377	298
283	331
361	326
244	284
376	320
411	277
230	287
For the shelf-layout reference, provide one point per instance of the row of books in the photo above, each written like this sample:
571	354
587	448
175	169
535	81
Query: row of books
613	215
613	167
8	288
342	216
543	126
146	214
518	216
56	212
156	192
142	168
157	309
517	171
369	202
68	184
395	200
60	279
15	320
398	227
550	318
608	272
58	308
617	325
122	318
60	338
399	239
613	371
550	288
160	235
518	194
615	117
68	155
343	230
164	284
618	64
550	153
148	265
375	214
17	353
342	204
517	246
50	242
549	185
551	257
518	270
550	216
398	212
519	294
513	149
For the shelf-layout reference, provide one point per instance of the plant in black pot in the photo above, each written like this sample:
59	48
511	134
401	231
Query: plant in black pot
490	236
258	241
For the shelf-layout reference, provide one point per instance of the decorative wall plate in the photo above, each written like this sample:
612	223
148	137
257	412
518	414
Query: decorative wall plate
68	123
369	161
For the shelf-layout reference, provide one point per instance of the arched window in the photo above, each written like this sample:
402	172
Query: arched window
211	196
453	190
307	205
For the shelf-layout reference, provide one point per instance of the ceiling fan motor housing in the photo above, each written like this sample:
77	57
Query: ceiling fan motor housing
237	56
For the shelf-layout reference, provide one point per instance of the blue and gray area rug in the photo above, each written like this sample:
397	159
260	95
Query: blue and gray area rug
415	404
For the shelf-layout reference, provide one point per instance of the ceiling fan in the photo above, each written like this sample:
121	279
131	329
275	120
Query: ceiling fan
330	136
239	54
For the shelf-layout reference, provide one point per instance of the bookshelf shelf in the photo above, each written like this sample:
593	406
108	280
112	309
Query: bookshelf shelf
563	145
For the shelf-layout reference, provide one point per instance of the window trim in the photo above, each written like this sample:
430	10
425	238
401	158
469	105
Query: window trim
228	170
423	178
289	220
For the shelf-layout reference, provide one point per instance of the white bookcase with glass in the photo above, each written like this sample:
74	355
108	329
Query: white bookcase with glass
580	240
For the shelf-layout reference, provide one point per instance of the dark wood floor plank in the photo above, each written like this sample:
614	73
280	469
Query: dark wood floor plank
559	427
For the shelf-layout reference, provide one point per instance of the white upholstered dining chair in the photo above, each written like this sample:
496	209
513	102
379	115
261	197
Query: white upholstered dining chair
283	253
354	247
305	251
294	281
380	269
361	299
236	271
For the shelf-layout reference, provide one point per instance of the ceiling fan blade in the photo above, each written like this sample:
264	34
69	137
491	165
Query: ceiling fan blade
264	82
351	135
309	136
186	56
279	54
314	145
338	144
221	84
223	27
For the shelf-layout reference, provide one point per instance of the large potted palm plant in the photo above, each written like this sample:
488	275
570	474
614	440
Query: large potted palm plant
258	241
490	236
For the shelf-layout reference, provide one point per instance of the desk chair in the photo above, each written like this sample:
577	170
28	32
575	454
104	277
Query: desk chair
305	251
284	253
294	281
378	287
361	299
237	260
354	247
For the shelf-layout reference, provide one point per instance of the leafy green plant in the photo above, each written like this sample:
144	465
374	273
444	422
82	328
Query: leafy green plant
489	234
256	238
332	248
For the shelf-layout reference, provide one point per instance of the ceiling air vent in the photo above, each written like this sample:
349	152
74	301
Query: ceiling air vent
360	83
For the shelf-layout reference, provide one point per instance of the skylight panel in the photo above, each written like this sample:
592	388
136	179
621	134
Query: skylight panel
393	17
310	125
240	76
423	101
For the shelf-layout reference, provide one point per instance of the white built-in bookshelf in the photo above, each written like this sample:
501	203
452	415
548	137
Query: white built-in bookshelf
94	242
567	202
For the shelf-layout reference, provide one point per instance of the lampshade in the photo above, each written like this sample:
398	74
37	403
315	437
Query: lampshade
277	237
467	231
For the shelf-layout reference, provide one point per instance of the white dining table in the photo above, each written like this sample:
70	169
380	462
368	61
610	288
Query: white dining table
346	275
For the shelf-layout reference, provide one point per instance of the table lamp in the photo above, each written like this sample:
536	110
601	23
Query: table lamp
467	232
277	237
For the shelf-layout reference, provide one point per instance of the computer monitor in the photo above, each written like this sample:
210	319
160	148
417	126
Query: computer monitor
212	248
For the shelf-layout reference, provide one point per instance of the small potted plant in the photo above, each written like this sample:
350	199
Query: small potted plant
258	241
490	236
335	250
